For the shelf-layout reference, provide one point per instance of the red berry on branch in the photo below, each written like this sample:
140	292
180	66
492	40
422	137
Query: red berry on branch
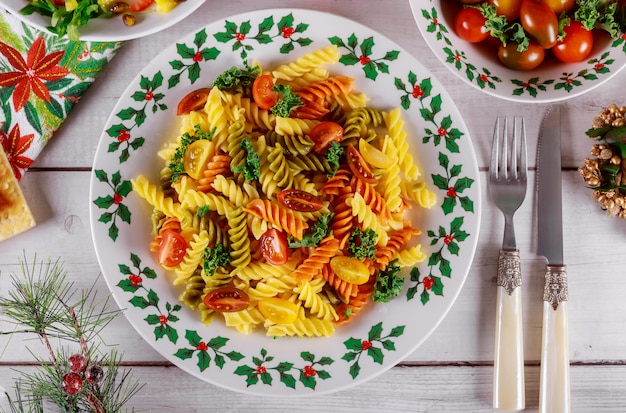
71	383
77	362
94	374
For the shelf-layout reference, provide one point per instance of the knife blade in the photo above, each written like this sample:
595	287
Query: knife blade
554	389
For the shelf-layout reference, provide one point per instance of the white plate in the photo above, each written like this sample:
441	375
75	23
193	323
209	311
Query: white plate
121	229
111	30
479	67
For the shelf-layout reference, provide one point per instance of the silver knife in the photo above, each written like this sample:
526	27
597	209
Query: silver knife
554	389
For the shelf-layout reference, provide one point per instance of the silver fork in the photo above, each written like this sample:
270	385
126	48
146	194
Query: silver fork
507	184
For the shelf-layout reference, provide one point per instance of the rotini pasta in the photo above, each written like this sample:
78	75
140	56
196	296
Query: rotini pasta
272	206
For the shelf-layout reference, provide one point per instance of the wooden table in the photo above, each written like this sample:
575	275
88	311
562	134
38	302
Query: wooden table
452	370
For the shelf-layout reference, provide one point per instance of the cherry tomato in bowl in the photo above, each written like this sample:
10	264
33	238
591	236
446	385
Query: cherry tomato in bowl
469	25
528	59
576	45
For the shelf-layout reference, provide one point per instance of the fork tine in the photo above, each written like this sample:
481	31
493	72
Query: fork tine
493	162
514	153
504	170
523	157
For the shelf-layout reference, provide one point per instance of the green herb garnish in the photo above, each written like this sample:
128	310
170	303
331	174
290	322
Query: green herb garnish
362	244
252	167
333	156
388	283
319	230
287	102
237	79
212	258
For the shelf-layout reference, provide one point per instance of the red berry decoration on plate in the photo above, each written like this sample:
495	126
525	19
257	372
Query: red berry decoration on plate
77	362
72	383
94	374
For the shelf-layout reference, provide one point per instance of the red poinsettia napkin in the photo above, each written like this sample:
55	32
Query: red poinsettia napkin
42	77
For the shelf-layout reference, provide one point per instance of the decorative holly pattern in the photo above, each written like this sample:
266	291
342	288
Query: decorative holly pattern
483	78
120	189
262	370
421	91
285	30
357	347
193	55
201	349
453	185
449	242
364	55
256	364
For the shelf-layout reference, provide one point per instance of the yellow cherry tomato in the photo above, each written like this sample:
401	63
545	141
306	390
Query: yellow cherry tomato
350	269
279	310
374	156
196	157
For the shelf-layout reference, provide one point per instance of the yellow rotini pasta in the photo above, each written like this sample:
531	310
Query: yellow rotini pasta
257	204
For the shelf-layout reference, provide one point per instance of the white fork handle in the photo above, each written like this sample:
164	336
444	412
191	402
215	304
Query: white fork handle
508	374
554	388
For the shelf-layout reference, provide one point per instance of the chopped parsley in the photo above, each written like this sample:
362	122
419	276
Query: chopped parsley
252	167
287	102
388	283
319	230
176	165
333	155
212	258
237	79
362	244
203	210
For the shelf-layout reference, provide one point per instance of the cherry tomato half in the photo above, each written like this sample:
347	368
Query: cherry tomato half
323	134
374	156
262	92
279	310
299	200
540	22
172	248
275	247
469	25
507	8
576	45
196	156
358	166
350	270
526	60
226	300
193	101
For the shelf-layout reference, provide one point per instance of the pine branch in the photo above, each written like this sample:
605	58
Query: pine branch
44	304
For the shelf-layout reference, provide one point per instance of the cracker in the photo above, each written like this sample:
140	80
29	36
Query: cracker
15	215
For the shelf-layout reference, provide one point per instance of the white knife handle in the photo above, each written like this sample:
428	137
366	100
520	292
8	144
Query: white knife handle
554	388
508	373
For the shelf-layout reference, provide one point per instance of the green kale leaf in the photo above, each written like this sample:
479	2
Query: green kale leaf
287	102
319	230
389	283
333	156
252	167
237	79
362	244
212	258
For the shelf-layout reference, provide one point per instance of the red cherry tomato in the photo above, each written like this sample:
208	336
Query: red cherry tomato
172	248
274	247
358	166
193	101
559	6
576	45
469	25
526	60
299	200
540	22
262	92
323	134
226	300
508	8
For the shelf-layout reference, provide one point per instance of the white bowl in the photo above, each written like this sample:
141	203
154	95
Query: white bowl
478	65
113	29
